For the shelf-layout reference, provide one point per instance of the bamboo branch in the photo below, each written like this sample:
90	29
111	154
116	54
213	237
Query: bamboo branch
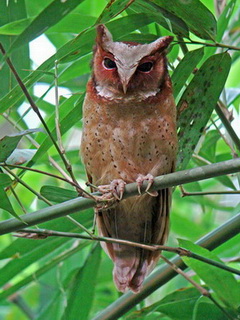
165	273
161	182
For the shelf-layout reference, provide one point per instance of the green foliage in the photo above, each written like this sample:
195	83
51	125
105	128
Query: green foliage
60	278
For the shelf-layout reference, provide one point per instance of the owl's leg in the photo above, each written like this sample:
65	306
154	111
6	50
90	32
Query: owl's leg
150	179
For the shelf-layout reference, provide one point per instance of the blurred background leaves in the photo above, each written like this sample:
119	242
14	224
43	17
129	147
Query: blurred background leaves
54	278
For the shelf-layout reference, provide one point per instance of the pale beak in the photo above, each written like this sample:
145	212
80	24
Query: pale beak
124	86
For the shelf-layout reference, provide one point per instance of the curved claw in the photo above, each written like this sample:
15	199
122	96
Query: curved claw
141	178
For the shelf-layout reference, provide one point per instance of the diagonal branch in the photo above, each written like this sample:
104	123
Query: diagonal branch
161	182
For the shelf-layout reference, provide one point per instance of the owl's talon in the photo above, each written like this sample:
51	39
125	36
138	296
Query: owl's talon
140	179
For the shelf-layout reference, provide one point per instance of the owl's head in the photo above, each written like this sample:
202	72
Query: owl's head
127	67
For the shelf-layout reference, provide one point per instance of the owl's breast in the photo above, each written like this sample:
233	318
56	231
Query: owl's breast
122	142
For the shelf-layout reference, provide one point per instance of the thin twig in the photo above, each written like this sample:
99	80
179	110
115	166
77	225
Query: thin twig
228	126
153	247
4	165
37	194
224	138
182	45
57	118
185	193
214	45
17	199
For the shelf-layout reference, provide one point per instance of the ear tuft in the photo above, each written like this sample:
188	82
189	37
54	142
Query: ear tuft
161	44
104	36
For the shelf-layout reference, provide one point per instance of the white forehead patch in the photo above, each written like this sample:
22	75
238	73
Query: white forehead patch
128	55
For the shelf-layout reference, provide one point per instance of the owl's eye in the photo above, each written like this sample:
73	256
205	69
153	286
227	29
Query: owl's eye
109	64
145	67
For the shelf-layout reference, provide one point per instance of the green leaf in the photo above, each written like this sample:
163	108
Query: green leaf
53	13
205	309
5	204
69	119
224	19
20	156
9	143
185	68
5	180
11	11
42	269
15	27
82	288
197	17
222	282
57	194
197	103
74	49
178	305
164	18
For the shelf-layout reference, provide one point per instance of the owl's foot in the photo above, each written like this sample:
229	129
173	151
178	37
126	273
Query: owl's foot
115	189
150	179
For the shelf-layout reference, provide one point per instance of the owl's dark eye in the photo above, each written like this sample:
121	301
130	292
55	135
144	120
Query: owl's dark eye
145	67
109	64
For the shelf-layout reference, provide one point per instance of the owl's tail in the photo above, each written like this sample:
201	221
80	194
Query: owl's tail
145	220
130	268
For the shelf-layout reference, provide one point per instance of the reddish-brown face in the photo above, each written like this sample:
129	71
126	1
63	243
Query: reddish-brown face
129	68
148	75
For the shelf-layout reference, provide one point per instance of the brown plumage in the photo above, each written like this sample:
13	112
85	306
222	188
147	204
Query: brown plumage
129	133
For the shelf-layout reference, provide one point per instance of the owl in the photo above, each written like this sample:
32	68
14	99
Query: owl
129	135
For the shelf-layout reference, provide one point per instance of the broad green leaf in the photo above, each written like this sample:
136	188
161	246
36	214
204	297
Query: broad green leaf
66	123
5	203
197	103
19	262
5	180
16	27
163	17
208	149
53	13
197	17
74	49
73	23
82	288
221	281
42	270
205	309
178	305
20	156
11	11
57	194
9	143
185	68
224	19
112	9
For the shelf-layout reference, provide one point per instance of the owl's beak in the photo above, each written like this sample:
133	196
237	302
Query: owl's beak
124	86
125	76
